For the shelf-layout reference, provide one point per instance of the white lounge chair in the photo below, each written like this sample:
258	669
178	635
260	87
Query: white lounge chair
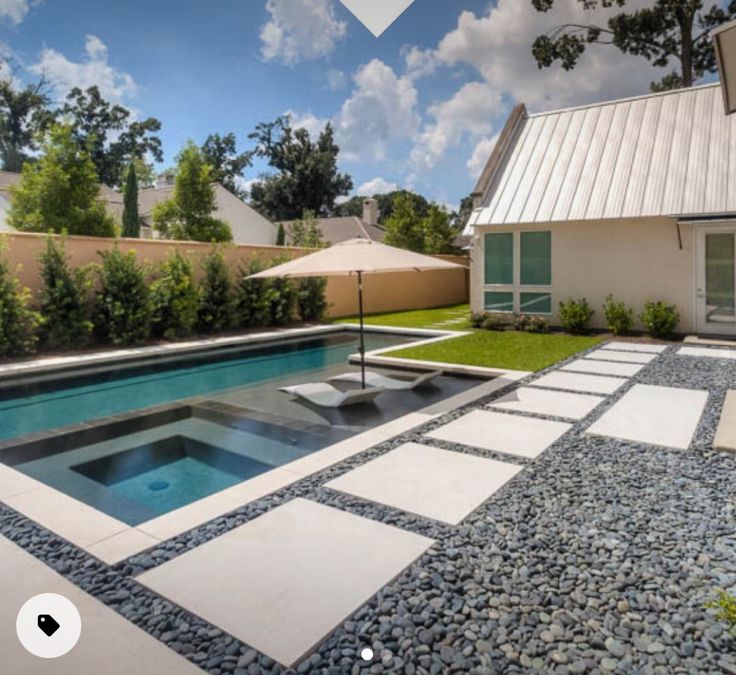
327	396
385	382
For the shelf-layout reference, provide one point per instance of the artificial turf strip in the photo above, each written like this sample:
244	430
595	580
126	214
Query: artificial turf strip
456	317
509	350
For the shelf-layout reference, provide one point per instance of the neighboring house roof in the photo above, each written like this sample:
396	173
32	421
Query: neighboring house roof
337	230
666	154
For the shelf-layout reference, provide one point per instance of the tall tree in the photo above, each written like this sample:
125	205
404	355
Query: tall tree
354	205
669	30
306	178
60	192
131	218
437	231
24	114
408	228
188	214
221	153
306	232
107	133
144	172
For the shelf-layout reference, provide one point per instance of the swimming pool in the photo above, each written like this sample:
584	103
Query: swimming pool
139	439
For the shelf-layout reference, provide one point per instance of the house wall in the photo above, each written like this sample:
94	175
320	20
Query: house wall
383	292
635	260
247	225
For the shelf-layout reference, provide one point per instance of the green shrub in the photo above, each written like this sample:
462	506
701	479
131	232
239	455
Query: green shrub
282	301
496	322
660	319
619	317
538	324
726	606
522	322
65	309
477	319
174	299
575	316
252	297
311	302
18	323
122	312
216	295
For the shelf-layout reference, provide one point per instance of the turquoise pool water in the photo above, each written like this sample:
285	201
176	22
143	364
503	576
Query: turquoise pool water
100	395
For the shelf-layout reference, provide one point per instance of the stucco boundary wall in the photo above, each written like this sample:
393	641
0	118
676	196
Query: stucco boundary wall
383	292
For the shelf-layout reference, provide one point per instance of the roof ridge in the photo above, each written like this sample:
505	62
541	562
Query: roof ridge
625	99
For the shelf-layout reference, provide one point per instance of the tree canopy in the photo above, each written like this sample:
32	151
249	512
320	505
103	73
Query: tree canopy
188	215
354	205
306	232
408	228
108	134
24	115
60	192
306	178
228	165
668	31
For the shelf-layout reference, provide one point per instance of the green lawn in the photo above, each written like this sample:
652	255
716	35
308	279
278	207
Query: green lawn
508	350
442	318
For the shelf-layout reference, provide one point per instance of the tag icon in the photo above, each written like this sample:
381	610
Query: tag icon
377	15
48	624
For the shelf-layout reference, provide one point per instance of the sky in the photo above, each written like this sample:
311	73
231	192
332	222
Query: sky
419	107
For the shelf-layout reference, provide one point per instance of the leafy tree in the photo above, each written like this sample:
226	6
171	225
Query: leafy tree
188	214
122	309
281	235
404	228
354	206
24	115
437	232
669	30
18	322
64	301
60	191
174	299
144	172
460	219
310	291
306	232
131	218
107	133
220	152
306	178
216	295
253	296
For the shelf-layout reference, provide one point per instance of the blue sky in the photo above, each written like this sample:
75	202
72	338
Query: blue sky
419	107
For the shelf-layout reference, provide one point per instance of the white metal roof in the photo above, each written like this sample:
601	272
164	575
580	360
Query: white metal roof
667	154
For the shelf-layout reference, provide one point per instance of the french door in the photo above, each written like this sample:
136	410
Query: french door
716	280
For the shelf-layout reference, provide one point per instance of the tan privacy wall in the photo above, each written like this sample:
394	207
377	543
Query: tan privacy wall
635	260
383	292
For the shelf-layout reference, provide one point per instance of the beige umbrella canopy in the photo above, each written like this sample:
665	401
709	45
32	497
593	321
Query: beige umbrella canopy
356	257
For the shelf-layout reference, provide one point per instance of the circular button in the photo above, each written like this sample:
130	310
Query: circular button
48	625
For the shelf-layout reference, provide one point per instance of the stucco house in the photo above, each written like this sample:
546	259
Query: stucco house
247	225
635	197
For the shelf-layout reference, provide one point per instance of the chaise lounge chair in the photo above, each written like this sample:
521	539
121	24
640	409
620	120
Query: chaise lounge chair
327	396
385	382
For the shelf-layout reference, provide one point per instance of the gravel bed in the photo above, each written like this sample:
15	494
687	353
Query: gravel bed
599	557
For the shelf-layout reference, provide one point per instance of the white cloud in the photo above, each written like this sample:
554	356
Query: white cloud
479	158
376	186
313	124
300	30
468	113
419	62
381	109
336	80
114	84
14	10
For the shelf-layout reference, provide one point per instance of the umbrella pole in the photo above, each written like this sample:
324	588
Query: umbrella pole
362	339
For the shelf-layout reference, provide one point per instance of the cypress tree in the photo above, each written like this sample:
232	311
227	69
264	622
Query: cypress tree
281	236
131	222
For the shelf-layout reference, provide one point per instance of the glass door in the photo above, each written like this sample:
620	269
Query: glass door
717	281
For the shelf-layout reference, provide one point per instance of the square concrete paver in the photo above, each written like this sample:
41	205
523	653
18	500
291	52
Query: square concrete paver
635	347
708	352
603	367
427	481
593	384
283	581
726	434
623	356
108	644
516	435
553	403
651	414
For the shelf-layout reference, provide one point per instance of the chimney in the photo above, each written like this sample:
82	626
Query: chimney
370	211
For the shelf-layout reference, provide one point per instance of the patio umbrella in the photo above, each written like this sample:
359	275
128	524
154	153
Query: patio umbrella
356	257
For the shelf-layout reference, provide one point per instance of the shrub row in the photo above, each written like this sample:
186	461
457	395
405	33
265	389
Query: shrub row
123	302
500	322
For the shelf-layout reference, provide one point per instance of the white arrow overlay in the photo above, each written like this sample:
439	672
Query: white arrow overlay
377	15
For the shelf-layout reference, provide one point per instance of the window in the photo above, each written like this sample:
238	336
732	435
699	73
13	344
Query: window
499	301
499	261
536	258
518	272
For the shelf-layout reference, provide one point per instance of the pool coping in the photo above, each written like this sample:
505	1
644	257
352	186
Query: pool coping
112	541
